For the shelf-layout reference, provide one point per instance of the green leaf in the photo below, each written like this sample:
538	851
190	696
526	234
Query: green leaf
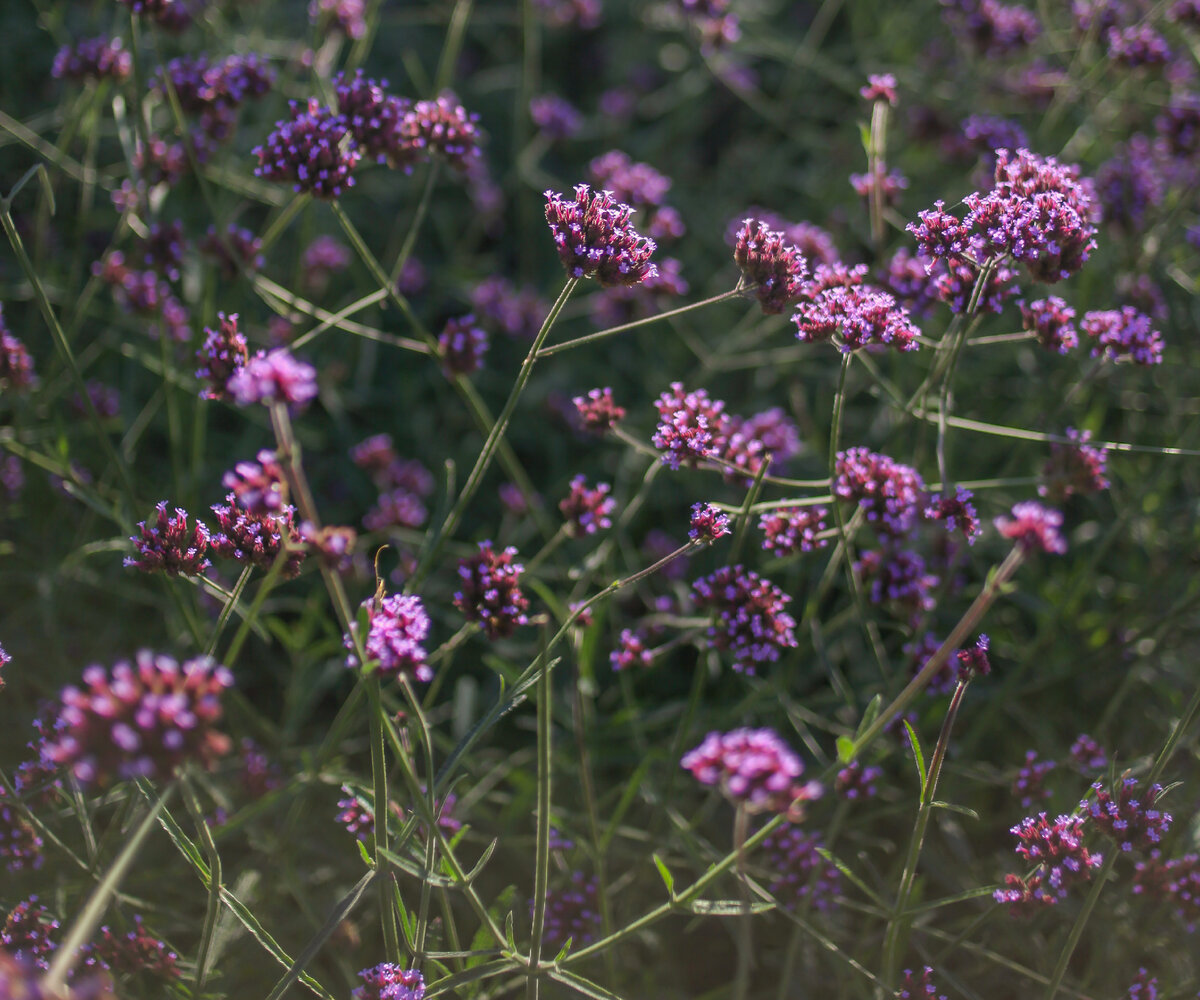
954	807
870	715
581	985
845	749
408	923
365	854
667	877
917	755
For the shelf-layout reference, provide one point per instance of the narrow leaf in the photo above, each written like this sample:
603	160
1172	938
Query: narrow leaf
917	755
727	907
667	877
954	807
845	749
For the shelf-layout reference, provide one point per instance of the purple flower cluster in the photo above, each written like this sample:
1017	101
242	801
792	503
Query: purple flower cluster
491	591
774	269
137	952
396	508
170	546
273	376
992	28
859	315
1030	783
891	495
707	523
373	118
223	354
1033	526
462	345
1128	817
813	242
598	412
897	577
16	366
20	845
689	423
800	877
1038	212
631	651
962	664
572	913
442	128
390	982
748	616
1143	987
754	768
918	987
880	87
28	932
1088	755
586	509
1076	467
956	512
1131	182
595	238
788	530
310	150
1062	860
93	59
396	628
889	184
324	257
142	719
555	117
518	313
238	251
1137	45
1053	322
260	487
854	781
640	186
1124	333
257	539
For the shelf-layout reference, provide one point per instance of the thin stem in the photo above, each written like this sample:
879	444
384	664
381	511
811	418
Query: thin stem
898	922
542	857
745	944
743	518
414	227
81	931
568	345
214	886
379	783
282	220
954	640
1089	904
487	453
876	165
235	595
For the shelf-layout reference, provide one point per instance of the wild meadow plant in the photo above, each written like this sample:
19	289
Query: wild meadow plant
688	499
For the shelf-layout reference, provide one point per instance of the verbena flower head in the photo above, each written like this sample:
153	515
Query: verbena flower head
955	286
572	913
774	268
754	768
141	720
992	28
973	661
897	577
1030	783
707	523
1132	181
918	986
1143	987
788	530
373	117
348	16
99	58
136	952
890	494
587	509
1124	333
333	544
257	539
170	546
748	616
555	117
1137	45
889	184
490	591
462	345
324	257
956	512
441	128
854	781
260	487
1033	526
689	423
28	933
595	238
238	251
223	354
395	633
1074	467
800	877
1129	817
1062	860
20	844
398	508
631	651
16	366
1087	754
390	982
598	410
880	87
1053	322
312	150
859	315
274	376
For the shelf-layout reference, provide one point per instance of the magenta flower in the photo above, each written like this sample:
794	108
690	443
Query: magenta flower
1124	333
587	509
775	269
598	411
859	315
854	781
222	356
1062	860
880	87
20	845
395	632
373	118
390	982
441	128
16	366
257	539
490	591
595	238
688	425
1033	526
260	487
1129	817
93	58
707	523
890	494
141	720
956	511
631	651
788	530
800	877
311	151
274	377
1030	784
754	768
1053	322
28	933
171	546
748	616
462	346
1076	467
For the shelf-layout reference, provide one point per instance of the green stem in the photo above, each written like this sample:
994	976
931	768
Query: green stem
235	595
487	453
568	345
542	858
379	782
1089	904
214	887
89	918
